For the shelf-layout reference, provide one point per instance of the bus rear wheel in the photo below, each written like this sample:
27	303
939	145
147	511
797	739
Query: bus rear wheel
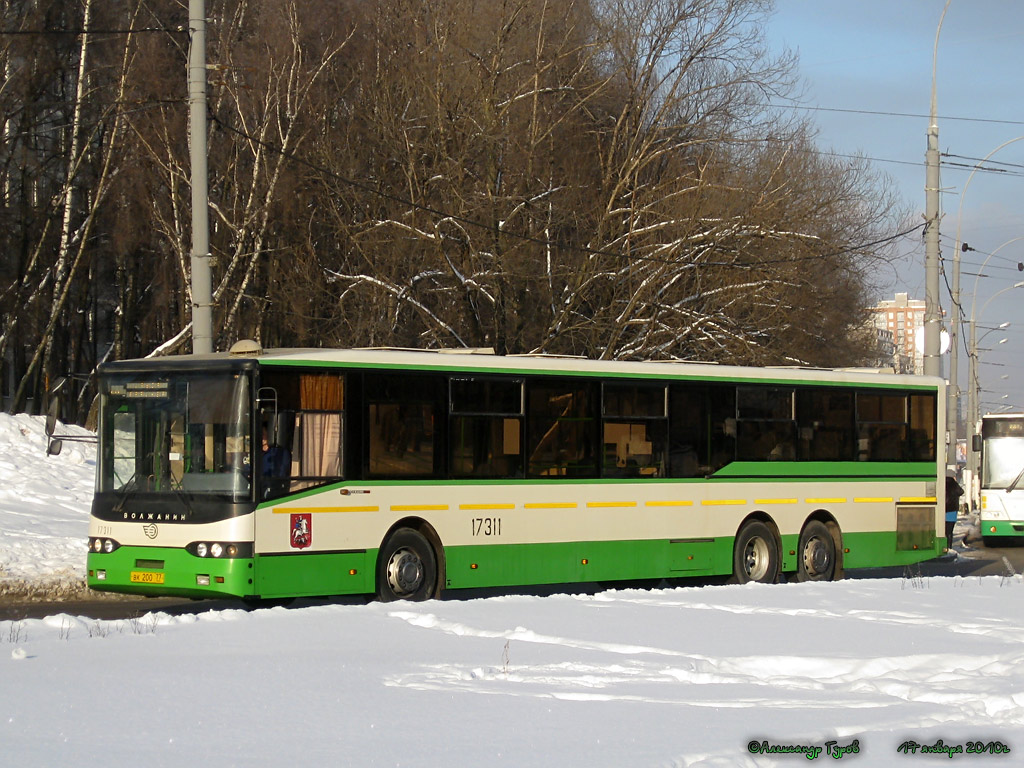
406	568
756	555
817	553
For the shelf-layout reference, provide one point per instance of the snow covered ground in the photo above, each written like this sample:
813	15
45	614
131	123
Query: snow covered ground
869	672
44	509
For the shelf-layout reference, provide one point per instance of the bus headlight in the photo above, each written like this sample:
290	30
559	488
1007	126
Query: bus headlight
99	545
220	549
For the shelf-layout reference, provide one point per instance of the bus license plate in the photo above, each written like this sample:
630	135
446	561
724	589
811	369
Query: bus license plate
146	577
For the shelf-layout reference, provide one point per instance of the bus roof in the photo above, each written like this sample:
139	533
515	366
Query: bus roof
482	361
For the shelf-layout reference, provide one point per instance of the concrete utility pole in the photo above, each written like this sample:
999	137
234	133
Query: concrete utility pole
932	308
202	298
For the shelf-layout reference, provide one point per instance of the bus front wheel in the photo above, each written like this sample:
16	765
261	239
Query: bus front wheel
756	555
817	553
407	567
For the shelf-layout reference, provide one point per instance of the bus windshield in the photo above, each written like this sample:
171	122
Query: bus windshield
176	433
1003	461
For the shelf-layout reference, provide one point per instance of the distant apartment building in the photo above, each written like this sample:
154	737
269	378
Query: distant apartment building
885	345
897	322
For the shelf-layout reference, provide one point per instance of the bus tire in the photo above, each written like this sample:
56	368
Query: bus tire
756	555
816	556
406	567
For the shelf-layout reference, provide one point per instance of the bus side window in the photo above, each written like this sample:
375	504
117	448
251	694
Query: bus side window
485	427
922	427
634	432
303	424
403	413
825	420
765	430
561	428
882	426
702	428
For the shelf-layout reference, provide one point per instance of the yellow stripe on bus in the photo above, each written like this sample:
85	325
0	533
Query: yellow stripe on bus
611	503
918	499
873	500
723	502
553	505
419	507
776	501
668	504
317	510
475	507
826	501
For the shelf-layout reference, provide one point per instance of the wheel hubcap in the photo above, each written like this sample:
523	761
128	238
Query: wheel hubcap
756	559
816	557
405	572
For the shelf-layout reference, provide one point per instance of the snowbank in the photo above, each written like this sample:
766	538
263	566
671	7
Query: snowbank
44	510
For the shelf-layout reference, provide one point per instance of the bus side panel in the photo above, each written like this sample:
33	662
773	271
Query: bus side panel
315	573
498	565
877	549
326	541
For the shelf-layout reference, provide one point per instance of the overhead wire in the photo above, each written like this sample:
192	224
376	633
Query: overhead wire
76	31
984	160
885	113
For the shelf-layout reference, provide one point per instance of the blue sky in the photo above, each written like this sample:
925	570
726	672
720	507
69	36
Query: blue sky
874	57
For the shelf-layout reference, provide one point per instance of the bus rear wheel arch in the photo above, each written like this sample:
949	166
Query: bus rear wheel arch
818	554
756	554
407	567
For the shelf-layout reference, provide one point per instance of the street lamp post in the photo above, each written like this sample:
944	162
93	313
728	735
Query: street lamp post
974	384
953	395
973	406
974	387
932	310
972	400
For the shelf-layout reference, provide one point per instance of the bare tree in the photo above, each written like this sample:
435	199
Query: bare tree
45	297
591	178
597	177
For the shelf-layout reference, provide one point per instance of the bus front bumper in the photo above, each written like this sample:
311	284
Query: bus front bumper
1001	527
169	571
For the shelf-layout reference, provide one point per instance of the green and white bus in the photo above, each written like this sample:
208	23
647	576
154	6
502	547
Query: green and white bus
1002	476
286	473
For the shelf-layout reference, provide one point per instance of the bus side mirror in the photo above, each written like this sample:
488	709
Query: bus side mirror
53	410
54	443
976	443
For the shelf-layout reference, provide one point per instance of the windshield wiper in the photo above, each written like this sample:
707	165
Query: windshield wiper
181	495
127	490
1017	479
